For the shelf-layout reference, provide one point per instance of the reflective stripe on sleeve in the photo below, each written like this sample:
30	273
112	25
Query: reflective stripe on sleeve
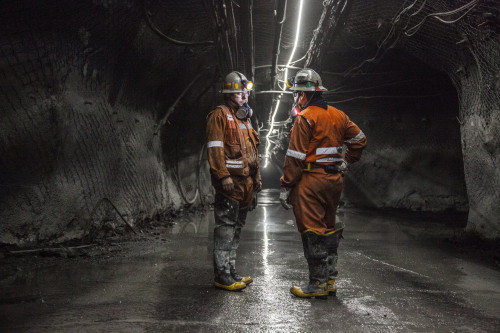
242	126
296	154
328	150
357	138
230	117
329	160
211	144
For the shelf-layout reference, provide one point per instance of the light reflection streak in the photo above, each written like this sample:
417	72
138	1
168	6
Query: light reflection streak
265	252
271	127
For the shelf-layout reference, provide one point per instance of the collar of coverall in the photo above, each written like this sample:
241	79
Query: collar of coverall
319	101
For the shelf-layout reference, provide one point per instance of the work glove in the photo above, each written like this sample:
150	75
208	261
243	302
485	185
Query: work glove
257	187
253	202
284	198
227	185
343	166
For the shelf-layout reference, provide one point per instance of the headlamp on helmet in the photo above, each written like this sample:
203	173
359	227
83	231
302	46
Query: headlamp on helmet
248	85
236	82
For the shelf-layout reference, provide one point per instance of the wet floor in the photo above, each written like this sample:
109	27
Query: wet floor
390	280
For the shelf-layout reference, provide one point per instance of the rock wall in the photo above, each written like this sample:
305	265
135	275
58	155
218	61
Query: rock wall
480	125
84	85
468	51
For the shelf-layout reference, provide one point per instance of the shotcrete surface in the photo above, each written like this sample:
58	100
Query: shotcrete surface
392	279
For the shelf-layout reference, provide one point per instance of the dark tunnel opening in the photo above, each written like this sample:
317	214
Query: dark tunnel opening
414	160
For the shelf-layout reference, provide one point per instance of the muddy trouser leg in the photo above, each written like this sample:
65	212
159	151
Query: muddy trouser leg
242	216
226	217
332	244
315	253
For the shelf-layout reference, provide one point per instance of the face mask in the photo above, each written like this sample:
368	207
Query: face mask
244	112
296	108
295	111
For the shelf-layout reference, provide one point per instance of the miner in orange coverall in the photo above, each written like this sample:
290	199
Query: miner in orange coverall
232	145
313	175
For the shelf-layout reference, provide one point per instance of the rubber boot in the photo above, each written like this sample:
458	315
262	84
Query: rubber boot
225	212
315	253
332	243
242	215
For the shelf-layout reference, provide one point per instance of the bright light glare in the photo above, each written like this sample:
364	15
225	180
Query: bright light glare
268	142
265	251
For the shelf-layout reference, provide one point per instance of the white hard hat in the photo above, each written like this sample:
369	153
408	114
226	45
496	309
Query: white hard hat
236	82
305	80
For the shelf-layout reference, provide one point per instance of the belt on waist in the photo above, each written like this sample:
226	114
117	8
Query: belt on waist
333	169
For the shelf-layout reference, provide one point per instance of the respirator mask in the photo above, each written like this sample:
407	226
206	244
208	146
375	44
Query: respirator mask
296	107
244	112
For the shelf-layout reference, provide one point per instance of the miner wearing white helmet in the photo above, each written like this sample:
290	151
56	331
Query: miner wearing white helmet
232	145
313	171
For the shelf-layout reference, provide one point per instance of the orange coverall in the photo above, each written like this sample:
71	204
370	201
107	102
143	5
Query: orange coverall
317	137
226	154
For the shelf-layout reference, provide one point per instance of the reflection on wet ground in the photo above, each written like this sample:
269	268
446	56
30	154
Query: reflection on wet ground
269	197
390	281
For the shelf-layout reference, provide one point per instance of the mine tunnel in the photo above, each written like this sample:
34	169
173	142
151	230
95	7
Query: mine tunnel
109	214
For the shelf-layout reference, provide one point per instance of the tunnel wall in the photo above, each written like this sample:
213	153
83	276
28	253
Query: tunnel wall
84	86
480	128
460	39
469	53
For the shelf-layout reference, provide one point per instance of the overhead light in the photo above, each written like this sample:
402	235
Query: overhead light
297	33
